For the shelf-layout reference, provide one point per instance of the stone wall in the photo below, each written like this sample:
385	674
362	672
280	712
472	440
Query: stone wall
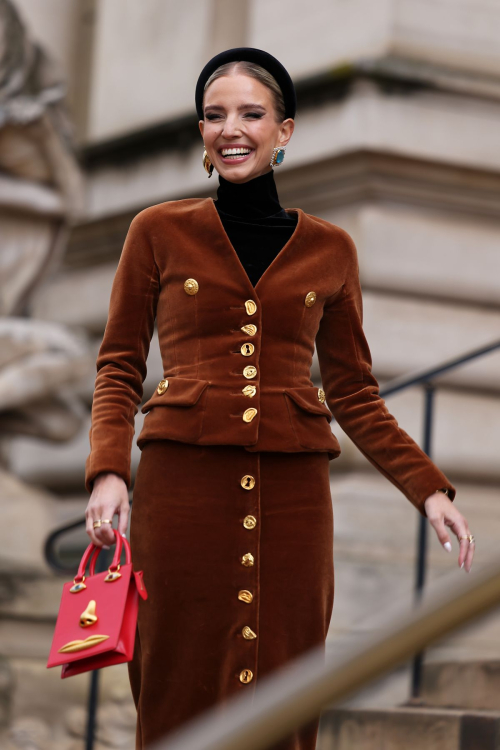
397	141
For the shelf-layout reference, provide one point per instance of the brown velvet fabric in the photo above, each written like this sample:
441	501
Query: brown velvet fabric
187	535
200	338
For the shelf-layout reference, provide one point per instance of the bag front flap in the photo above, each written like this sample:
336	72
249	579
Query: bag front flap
89	621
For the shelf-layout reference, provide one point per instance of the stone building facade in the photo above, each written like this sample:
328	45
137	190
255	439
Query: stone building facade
397	140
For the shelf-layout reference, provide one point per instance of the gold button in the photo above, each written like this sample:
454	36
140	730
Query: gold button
246	675
191	286
310	299
162	386
249	414
249	371
248	482
250	329
321	395
245	596
248	633
250	306
249	390
249	522
247	349
247	560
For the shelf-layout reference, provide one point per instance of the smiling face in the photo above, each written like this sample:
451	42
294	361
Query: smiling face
240	114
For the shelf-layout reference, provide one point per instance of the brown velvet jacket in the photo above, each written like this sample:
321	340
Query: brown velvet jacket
236	358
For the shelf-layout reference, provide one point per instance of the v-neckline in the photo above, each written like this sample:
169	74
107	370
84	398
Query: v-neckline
271	266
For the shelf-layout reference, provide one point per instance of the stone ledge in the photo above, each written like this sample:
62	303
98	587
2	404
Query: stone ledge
411	729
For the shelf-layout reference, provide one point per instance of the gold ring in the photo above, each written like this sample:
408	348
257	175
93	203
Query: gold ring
470	537
106	520
97	523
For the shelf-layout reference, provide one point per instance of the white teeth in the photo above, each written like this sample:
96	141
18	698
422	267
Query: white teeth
233	151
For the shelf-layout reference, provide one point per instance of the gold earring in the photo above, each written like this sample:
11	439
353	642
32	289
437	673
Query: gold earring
209	167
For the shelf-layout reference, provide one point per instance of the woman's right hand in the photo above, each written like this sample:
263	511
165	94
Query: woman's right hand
109	496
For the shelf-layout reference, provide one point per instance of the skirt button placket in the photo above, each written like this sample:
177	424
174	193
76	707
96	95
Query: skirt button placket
247	630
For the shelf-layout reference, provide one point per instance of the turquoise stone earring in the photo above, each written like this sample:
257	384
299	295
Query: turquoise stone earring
278	156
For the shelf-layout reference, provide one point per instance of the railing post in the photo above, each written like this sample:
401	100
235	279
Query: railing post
92	709
429	391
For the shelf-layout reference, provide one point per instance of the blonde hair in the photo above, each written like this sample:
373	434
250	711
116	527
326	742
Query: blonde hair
254	71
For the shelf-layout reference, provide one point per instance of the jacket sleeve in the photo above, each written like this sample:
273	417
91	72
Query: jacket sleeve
121	361
352	393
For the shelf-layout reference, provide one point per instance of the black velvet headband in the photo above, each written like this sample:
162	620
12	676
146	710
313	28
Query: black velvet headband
251	54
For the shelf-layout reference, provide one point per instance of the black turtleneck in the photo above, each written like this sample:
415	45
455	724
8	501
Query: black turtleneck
256	224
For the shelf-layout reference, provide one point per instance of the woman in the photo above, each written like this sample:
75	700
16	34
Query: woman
232	515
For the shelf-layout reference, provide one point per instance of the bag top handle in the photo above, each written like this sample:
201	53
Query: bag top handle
93	551
115	564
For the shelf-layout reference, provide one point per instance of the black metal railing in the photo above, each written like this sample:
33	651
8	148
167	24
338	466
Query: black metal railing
425	378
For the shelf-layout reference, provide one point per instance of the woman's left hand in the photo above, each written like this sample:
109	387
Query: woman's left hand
442	512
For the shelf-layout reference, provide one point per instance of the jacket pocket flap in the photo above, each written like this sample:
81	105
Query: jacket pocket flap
307	398
179	392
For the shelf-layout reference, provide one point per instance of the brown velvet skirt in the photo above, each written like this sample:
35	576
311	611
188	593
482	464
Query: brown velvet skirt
240	578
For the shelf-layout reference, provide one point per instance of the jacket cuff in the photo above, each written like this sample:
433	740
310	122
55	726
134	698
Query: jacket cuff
104	463
416	484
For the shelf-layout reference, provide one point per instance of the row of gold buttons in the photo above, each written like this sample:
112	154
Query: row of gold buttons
248	481
247	349
249	522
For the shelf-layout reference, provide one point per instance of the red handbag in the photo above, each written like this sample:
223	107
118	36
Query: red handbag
97	617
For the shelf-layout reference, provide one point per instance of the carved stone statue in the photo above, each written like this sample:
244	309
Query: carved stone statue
41	193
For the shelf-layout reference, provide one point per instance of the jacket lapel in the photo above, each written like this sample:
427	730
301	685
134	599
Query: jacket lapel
216	226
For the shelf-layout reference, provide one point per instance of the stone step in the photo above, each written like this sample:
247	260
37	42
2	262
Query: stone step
417	728
473	685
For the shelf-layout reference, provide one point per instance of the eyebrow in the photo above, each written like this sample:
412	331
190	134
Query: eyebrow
242	106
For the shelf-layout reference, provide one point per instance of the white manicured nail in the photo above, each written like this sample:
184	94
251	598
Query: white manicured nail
447	546
462	565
